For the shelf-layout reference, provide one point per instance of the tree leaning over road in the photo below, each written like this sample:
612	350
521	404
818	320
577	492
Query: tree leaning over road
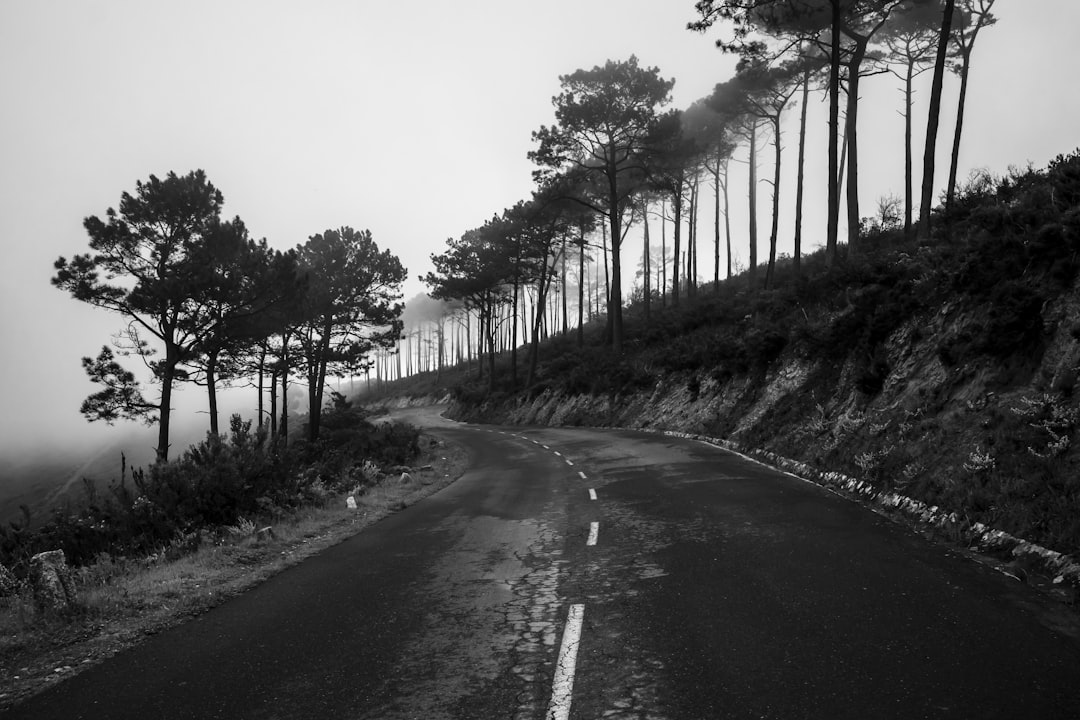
605	120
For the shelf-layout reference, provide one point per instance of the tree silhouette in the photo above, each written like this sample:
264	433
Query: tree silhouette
713	136
933	120
605	118
766	91
911	40
974	15
350	308
671	172
250	286
474	270
153	247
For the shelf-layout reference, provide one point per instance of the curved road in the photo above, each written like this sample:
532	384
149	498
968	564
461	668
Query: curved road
707	586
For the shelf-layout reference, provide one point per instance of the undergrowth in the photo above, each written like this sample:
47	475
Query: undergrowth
175	507
122	597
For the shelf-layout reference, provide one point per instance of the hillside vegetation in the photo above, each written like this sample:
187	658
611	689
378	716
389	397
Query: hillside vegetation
944	369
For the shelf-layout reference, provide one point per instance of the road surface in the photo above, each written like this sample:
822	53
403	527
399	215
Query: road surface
608	574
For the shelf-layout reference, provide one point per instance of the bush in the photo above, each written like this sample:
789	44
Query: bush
1014	319
213	484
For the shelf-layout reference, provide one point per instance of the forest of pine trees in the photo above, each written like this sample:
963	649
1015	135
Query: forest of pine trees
617	156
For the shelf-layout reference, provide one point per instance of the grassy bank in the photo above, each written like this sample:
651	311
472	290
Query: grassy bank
122	600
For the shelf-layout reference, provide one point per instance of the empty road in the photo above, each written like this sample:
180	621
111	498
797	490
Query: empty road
697	584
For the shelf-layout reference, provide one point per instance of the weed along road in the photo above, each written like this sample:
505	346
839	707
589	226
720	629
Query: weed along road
608	574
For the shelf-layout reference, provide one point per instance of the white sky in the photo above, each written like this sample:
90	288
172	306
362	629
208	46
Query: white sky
411	119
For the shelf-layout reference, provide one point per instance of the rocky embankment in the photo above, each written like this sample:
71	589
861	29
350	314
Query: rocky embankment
980	448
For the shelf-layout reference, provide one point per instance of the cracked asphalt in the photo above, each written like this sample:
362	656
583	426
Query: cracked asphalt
717	589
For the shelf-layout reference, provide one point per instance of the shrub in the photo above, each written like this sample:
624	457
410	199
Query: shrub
215	483
1013	319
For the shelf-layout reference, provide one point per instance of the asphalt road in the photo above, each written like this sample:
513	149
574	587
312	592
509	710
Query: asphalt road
715	588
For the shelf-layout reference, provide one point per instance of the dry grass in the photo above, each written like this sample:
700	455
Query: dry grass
122	600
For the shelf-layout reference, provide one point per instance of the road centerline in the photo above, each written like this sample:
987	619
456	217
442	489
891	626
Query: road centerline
563	685
594	532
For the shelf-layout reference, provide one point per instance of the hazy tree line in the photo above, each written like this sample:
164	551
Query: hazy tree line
205	303
616	157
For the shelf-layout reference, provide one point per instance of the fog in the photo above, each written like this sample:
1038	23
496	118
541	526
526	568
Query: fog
422	309
51	469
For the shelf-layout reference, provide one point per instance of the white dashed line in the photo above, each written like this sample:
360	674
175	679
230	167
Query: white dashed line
582	475
592	494
545	447
563	686
594	530
558	453
570	463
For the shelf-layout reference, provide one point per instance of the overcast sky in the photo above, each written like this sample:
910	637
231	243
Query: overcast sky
410	119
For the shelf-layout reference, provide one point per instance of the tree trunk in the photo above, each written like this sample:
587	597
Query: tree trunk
273	406
727	221
930	150
514	325
168	374
441	339
955	161
481	332
688	256
615	287
284	435
211	390
565	311
541	295
317	360
801	180
834	131
663	253
581	290
909	180
771	271
716	222
468	341
843	161
490	331
851	133
646	270
398	359
262	368
589	293
691	246
752	274
676	199
613	222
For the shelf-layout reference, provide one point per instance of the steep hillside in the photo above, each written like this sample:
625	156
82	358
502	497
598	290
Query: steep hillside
944	370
